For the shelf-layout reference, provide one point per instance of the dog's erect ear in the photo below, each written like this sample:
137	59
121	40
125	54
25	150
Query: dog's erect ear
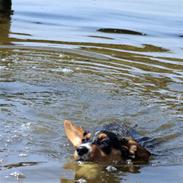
74	133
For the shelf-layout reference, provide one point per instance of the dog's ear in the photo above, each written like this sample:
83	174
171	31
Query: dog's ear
138	151
74	133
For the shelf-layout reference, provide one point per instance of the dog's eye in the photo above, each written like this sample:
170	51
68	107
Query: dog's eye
105	145
102	137
106	140
100	141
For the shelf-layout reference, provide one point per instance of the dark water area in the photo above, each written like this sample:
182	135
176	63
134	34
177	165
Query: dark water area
92	62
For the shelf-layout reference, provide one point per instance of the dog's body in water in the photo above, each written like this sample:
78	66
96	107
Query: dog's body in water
114	142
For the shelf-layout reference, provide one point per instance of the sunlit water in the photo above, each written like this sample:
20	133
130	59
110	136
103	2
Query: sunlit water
91	62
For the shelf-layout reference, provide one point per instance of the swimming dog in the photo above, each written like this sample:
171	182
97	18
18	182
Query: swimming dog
112	142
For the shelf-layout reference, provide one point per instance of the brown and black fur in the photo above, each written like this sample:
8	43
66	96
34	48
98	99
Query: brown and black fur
113	142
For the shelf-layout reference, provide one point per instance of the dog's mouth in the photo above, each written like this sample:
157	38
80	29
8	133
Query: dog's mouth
83	152
81	159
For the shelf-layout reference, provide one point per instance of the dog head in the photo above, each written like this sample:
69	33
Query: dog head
104	146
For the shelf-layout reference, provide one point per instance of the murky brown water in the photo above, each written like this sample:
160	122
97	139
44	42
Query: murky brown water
90	62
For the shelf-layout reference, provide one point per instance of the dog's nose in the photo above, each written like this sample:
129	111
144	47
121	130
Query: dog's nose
82	150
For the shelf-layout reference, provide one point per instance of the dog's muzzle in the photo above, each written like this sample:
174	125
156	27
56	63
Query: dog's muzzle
83	151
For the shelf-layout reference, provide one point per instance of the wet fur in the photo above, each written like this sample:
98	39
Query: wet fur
111	142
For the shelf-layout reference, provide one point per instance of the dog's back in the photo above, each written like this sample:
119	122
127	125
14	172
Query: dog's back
121	130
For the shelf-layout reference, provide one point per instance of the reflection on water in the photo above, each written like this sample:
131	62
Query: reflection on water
120	31
90	172
97	63
5	13
5	6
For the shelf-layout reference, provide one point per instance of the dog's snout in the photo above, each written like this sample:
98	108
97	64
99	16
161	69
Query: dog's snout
82	150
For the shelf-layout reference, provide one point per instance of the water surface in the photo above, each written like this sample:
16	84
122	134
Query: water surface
91	62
